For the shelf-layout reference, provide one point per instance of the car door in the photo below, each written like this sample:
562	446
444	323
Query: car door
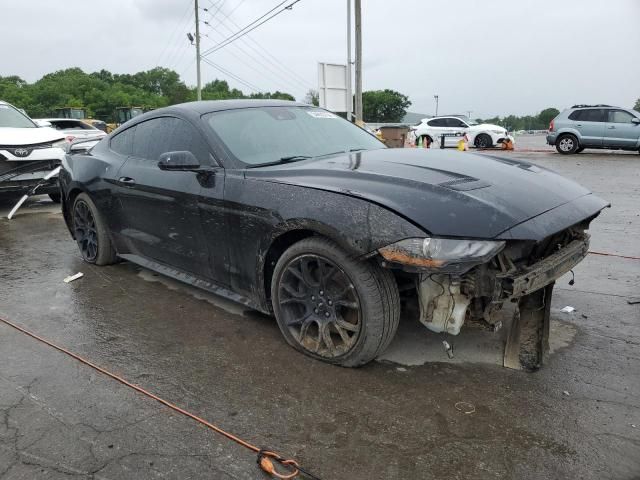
590	122
458	128
437	127
159	217
620	130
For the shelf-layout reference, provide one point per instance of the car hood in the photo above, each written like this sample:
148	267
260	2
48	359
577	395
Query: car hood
28	136
485	127
446	193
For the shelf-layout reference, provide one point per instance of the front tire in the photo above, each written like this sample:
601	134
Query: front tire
567	144
332	307
91	233
483	141
55	197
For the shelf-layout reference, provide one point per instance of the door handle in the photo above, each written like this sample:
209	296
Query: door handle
127	181
611	127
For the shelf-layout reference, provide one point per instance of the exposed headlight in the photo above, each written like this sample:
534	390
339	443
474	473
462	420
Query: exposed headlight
60	144
441	254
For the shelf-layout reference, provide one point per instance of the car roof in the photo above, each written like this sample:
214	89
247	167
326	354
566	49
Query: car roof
207	106
194	110
60	119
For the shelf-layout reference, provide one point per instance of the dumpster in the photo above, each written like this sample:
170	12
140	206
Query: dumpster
394	136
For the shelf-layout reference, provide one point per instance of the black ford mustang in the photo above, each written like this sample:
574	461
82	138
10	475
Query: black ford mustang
292	210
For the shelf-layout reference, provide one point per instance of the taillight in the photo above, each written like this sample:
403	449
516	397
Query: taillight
551	126
70	138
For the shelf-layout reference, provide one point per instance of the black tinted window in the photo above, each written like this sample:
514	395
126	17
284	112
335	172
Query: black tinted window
588	115
620	116
168	134
455	122
438	122
122	143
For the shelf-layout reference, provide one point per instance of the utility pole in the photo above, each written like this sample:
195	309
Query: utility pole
436	97
358	6
199	80
469	114
349	92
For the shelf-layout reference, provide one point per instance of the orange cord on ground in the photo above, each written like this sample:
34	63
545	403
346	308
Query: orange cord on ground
265	457
613	255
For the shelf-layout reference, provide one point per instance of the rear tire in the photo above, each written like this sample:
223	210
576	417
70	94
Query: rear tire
333	307
91	232
580	149
483	141
567	144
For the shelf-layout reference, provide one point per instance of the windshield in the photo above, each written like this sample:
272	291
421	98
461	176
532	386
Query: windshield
267	134
10	117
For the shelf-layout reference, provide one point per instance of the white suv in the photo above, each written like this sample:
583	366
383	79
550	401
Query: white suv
454	127
28	153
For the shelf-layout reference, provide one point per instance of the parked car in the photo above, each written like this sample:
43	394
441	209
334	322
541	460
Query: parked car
28	153
595	126
484	135
73	129
291	210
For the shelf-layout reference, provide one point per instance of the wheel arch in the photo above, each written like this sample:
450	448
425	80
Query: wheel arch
288	234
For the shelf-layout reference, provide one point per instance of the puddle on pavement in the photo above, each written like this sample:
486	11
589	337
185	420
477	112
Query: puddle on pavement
414	345
561	335
199	294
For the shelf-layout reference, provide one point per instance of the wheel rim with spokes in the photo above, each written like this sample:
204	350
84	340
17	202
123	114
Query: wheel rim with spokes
482	142
319	306
566	144
85	230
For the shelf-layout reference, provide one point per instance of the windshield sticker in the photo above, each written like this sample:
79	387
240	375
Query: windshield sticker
321	114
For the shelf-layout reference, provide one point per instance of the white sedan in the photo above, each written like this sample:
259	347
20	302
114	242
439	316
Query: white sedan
454	128
71	128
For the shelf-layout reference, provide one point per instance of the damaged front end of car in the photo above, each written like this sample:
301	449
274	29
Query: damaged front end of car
466	280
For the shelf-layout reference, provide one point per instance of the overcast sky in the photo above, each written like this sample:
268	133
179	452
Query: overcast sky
488	56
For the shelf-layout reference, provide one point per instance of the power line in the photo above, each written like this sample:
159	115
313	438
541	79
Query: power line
232	75
170	38
298	79
281	76
242	32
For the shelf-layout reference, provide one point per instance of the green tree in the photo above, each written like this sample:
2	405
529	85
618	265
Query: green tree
100	93
546	115
384	106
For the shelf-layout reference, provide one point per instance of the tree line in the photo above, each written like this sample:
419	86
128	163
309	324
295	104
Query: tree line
100	93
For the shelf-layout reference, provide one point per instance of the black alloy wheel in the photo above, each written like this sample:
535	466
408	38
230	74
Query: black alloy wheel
320	306
84	226
483	141
91	233
332	306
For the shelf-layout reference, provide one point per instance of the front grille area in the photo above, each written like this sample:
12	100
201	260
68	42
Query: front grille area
30	146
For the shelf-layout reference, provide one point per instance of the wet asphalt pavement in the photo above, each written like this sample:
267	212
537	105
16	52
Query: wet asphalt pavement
579	417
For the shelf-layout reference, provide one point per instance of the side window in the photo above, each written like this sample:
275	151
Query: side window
122	143
168	134
181	136
576	115
619	116
455	123
588	115
437	122
147	141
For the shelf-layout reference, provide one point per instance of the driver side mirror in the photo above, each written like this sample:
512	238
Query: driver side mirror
181	161
42	123
635	120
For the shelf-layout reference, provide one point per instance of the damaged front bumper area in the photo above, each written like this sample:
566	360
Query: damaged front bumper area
522	273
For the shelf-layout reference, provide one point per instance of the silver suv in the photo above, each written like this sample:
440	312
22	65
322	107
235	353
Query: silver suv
595	126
